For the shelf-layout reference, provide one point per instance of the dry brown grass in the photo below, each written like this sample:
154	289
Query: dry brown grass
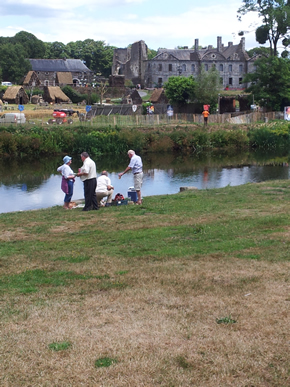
161	335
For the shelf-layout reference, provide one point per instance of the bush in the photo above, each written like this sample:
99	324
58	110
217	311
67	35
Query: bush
74	95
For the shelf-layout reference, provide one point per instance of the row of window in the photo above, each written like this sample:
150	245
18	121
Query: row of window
182	68
230	81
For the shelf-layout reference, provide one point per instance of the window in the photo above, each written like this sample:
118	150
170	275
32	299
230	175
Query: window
240	81
160	67
221	67
46	83
184	67
230	68
159	81
206	67
241	68
149	66
230	81
193	68
170	67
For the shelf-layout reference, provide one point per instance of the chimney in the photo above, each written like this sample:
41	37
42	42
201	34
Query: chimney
219	43
210	47
230	44
196	45
242	43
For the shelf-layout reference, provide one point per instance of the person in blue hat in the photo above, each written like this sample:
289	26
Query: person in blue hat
68	179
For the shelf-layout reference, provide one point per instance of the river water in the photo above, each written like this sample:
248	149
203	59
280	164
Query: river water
26	185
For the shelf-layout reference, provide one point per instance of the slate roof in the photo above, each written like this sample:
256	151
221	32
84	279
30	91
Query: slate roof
190	54
59	65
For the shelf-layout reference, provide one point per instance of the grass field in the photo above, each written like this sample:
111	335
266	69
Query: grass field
189	289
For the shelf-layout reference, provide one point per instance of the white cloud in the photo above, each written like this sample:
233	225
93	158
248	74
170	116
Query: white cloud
117	26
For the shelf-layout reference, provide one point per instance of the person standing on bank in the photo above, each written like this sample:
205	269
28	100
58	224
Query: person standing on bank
205	114
136	165
67	182
88	175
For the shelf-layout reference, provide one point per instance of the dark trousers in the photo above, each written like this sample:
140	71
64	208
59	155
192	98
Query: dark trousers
90	194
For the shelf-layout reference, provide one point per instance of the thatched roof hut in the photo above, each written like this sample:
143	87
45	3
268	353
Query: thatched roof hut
64	78
158	96
31	79
16	94
54	94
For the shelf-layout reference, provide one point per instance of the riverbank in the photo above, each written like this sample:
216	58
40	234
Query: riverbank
187	289
37	141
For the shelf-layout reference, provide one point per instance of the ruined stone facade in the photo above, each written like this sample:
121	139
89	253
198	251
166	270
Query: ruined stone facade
131	62
232	62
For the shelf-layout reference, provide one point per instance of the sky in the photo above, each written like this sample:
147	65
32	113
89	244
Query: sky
160	23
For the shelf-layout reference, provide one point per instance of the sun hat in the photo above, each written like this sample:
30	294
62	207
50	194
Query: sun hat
66	159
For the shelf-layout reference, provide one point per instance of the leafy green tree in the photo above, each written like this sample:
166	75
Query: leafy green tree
151	53
275	16
262	51
13	62
34	47
55	50
96	55
179	90
208	86
270	83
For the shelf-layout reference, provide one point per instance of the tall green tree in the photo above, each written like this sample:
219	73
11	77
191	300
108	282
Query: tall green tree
56	50
275	15
270	83
262	51
13	62
179	90
208	86
34	47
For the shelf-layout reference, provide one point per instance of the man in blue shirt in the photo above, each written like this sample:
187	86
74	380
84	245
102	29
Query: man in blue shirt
136	165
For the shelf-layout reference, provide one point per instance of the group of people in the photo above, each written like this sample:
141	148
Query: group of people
95	189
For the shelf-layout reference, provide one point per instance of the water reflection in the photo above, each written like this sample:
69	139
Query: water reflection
35	184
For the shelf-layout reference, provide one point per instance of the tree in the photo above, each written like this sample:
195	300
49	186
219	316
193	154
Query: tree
275	16
179	90
34	47
261	51
151	53
270	83
13	62
208	85
96	55
55	50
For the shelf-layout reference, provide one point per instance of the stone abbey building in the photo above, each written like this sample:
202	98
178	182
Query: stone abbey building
232	62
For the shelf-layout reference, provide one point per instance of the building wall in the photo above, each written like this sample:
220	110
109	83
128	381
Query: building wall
231	61
48	78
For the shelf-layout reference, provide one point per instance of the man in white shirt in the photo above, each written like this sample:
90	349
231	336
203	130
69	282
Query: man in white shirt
137	168
88	175
104	188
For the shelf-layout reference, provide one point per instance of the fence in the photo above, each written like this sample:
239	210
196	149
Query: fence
137	120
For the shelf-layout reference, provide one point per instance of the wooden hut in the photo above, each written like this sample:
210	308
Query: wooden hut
16	94
54	94
158	96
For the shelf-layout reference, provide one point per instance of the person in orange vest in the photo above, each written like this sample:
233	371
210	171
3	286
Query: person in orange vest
205	114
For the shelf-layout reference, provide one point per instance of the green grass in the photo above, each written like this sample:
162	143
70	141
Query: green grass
61	346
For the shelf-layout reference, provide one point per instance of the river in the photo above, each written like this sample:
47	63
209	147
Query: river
26	185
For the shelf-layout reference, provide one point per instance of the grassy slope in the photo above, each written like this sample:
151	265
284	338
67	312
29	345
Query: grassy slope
143	288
